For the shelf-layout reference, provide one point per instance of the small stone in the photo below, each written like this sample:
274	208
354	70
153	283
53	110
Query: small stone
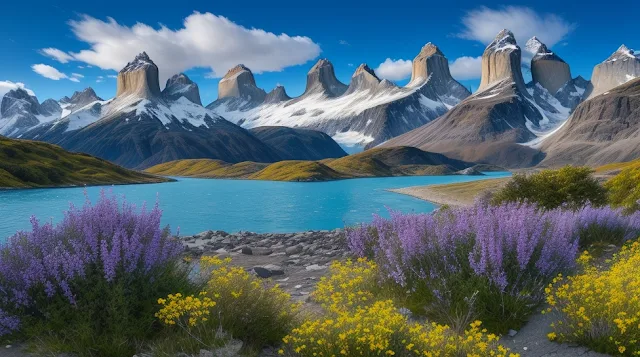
247	251
260	251
296	249
268	271
205	353
262	272
8	346
512	333
315	267
297	287
283	280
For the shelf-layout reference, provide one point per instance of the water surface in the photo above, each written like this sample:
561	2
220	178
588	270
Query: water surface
196	205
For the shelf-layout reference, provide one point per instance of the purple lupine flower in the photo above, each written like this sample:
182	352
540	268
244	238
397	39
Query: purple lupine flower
108	236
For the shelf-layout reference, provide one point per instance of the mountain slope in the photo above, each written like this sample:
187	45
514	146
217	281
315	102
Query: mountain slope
490	126
603	129
298	144
140	127
365	113
621	67
26	163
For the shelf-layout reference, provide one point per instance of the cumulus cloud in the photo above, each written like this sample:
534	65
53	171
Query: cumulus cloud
205	40
394	70
48	72
57	54
6	86
466	68
483	24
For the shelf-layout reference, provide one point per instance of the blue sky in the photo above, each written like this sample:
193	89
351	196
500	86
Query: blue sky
89	48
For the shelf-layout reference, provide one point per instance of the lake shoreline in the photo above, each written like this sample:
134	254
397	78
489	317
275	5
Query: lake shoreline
459	194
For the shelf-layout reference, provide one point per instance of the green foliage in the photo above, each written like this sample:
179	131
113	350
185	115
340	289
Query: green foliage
34	164
624	189
570	186
109	319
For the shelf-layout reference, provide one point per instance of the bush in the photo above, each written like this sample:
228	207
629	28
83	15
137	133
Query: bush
88	285
600	308
233	301
604	225
359	322
624	189
481	263
569	186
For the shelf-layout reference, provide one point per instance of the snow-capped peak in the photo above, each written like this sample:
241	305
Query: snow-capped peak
142	60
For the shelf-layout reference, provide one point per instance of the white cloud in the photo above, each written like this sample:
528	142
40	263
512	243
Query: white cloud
483	24
57	54
344	43
205	40
77	75
48	72
112	76
99	79
6	86
466	68
350	64
394	70
74	79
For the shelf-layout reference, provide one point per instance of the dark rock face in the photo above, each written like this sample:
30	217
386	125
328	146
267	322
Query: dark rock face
364	78
621	67
50	107
299	144
18	112
240	83
139	78
547	68
277	95
140	140
181	86
603	129
80	99
321	79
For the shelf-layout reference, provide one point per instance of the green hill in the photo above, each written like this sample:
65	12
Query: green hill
25	163
397	161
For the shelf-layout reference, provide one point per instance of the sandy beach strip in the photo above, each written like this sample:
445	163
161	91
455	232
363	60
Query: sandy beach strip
453	194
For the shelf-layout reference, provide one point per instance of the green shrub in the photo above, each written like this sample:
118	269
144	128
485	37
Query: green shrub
624	189
570	186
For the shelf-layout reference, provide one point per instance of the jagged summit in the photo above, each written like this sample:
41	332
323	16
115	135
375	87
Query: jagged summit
321	79
80	99
623	53
277	95
622	66
180	85
240	83
364	78
429	62
364	68
139	78
501	61
548	69
140	61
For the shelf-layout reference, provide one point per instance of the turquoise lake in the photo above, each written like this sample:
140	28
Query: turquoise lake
196	205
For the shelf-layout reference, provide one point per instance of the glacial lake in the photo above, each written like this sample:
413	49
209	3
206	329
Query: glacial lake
196	205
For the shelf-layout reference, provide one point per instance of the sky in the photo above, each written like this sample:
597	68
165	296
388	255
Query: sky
56	48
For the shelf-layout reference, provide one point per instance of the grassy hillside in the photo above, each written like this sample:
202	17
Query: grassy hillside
297	171
616	167
398	161
26	163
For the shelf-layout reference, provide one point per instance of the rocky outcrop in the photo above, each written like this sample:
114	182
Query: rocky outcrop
621	67
321	79
80	99
299	144
603	129
240	83
277	95
181	86
364	78
18	112
139	79
501	61
50	108
490	126
366	113
547	68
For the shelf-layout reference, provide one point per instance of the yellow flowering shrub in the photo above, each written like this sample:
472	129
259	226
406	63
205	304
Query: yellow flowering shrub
242	305
600	308
349	284
359	323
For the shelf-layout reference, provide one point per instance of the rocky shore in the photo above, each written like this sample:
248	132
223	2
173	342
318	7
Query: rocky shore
293	260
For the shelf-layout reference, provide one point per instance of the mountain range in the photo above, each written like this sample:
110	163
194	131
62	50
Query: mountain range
553	120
